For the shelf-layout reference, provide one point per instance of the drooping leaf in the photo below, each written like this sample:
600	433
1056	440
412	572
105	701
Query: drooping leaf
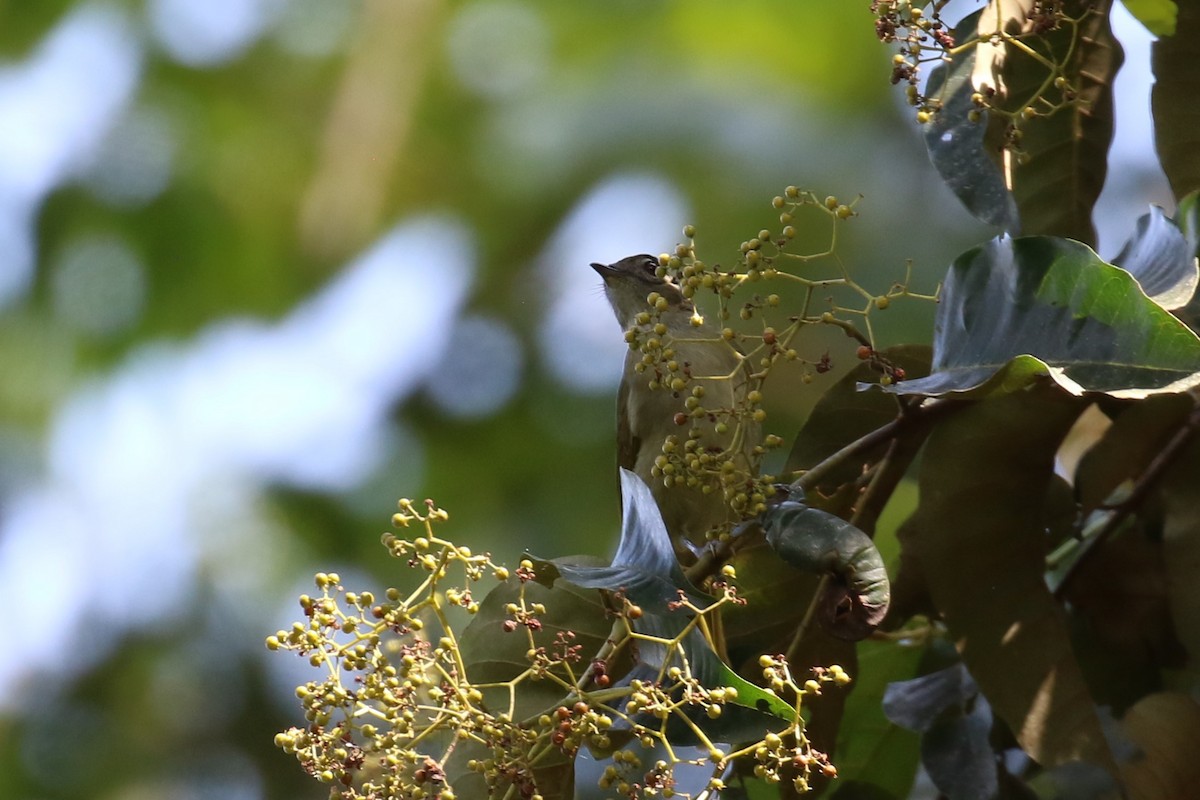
645	567
816	541
1173	101
646	571
954	721
1013	310
1157	15
1159	256
956	144
981	545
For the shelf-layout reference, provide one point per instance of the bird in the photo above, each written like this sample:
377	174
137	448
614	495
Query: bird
652	405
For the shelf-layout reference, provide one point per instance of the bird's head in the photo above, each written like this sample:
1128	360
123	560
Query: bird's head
627	283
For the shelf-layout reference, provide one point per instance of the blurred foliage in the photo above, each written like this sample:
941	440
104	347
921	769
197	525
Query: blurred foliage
285	164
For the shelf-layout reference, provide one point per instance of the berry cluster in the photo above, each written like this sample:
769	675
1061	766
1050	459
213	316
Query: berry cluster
688	459
922	37
396	713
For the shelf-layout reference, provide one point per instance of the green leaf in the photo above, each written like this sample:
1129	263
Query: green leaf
777	596
956	144
981	545
492	655
1173	102
816	541
871	748
1015	310
1157	15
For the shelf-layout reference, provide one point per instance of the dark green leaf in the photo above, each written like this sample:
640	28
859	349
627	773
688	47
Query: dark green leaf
956	145
777	596
816	541
1173	101
1016	309
754	710
981	544
493	656
870	747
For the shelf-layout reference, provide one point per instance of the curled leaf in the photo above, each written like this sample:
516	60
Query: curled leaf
1161	258
813	540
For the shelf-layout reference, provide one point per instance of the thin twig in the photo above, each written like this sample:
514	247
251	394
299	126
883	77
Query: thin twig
910	415
1141	488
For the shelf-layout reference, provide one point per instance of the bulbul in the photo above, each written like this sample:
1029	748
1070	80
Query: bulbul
646	416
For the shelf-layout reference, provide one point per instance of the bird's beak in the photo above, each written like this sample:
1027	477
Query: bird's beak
603	269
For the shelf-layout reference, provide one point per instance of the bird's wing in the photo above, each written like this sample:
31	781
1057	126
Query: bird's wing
627	443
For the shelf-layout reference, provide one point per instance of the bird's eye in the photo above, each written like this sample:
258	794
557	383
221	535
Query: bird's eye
650	265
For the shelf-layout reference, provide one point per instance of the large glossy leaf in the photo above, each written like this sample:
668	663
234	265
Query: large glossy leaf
492	655
1014	310
981	545
1173	100
956	144
1161	258
777	596
816	541
754	711
1065	155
